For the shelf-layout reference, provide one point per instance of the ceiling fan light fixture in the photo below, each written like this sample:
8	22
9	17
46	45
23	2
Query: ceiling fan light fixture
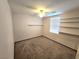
41	11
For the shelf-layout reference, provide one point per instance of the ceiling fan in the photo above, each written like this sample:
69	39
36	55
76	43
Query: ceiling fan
42	11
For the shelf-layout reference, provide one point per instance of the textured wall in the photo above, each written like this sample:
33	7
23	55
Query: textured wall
68	40
6	33
24	26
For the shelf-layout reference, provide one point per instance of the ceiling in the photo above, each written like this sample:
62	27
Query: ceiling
20	6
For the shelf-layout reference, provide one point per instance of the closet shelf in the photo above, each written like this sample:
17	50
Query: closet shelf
77	18
35	25
76	35
70	22
69	27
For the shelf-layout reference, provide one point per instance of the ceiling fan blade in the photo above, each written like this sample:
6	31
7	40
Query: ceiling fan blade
30	7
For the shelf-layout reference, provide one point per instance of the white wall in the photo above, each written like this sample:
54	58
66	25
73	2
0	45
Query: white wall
22	30
22	18
6	33
68	40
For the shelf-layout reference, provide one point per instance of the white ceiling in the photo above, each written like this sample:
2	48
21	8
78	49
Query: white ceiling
20	6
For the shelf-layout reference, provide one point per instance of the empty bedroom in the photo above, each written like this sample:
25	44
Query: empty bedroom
39	29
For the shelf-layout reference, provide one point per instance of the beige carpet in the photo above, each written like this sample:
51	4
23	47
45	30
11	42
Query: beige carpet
42	48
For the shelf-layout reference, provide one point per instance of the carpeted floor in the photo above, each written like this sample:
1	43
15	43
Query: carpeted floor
42	48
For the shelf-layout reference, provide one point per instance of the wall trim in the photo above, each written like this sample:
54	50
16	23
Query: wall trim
48	39
27	39
60	43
